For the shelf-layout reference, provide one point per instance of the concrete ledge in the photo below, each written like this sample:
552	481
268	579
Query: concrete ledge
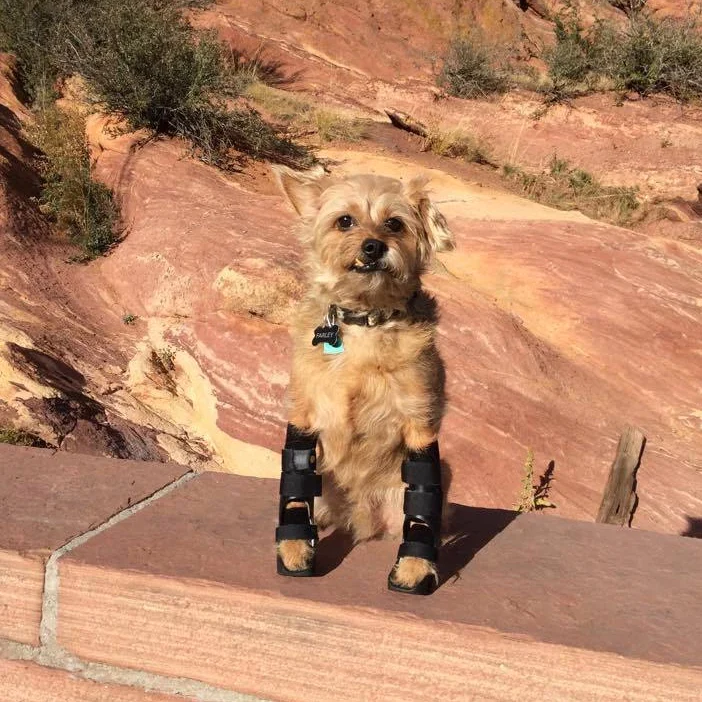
531	607
21	588
46	500
21	681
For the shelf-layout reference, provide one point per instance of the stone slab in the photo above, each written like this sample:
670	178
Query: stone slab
46	500
21	588
188	587
21	681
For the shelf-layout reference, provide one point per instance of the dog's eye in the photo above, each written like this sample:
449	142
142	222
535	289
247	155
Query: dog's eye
394	224
345	222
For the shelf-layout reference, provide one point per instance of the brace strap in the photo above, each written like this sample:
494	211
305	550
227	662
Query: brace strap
308	532
418	549
300	485
423	503
420	542
421	472
297	459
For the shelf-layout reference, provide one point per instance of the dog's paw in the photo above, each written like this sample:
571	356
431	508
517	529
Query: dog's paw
296	554
410	571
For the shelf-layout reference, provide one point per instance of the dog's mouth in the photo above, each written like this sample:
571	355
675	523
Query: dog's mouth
365	266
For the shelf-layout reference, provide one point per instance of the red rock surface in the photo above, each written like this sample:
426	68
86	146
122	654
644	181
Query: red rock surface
42	509
208	605
376	56
557	331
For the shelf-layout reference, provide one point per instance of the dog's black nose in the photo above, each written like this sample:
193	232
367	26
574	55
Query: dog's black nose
374	248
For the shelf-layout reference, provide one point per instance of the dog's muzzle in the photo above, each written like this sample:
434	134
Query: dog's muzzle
371	256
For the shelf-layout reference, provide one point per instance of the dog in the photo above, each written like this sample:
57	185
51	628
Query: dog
366	394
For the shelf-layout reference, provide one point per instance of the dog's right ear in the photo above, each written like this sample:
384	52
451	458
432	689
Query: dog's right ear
302	188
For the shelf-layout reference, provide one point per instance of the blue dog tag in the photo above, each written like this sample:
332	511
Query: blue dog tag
331	350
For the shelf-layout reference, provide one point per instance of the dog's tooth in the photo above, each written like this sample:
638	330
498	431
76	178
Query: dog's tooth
358	262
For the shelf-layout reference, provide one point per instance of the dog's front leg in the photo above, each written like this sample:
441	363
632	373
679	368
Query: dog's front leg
415	570
296	535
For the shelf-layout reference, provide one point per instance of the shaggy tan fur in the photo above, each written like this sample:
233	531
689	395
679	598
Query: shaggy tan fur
384	395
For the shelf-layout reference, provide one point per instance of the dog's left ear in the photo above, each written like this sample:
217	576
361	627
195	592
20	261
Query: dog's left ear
437	235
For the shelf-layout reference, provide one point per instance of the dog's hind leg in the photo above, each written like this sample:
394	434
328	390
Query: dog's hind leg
415	570
296	535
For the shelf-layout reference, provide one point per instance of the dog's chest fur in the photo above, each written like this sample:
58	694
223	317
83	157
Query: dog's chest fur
361	401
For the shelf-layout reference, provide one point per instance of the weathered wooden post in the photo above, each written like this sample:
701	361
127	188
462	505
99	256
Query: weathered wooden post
619	499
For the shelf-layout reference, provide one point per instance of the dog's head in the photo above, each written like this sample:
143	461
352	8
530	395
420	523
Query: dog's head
367	233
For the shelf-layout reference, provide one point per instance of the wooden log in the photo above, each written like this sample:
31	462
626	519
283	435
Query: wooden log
619	499
402	120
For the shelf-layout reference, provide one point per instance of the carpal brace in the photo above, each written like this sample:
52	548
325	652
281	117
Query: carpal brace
299	482
421	470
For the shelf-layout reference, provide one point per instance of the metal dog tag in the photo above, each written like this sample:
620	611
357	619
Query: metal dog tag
326	334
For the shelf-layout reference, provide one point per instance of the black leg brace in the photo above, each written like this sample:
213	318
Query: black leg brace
299	482
421	532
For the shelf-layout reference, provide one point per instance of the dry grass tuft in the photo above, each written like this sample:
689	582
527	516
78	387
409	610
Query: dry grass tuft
567	188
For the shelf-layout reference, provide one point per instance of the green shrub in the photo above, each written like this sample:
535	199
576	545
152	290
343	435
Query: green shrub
32	30
81	206
142	60
568	188
660	56
649	55
17	437
471	70
578	57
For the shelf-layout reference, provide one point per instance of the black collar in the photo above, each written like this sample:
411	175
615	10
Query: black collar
372	318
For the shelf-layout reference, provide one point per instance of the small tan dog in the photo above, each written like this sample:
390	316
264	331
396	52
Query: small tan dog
367	384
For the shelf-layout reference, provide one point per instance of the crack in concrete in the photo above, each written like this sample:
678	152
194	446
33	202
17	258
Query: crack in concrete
51	655
49	605
61	660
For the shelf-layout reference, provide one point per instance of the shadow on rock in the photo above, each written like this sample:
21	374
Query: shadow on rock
694	528
332	550
470	529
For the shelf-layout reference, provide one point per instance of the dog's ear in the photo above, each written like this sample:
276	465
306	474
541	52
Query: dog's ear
302	188
438	236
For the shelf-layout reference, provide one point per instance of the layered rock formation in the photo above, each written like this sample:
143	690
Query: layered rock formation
556	330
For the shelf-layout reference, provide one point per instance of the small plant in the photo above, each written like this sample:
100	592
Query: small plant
568	188
457	144
129	318
534	497
17	437
81	206
666	141
471	70
165	357
301	115
331	126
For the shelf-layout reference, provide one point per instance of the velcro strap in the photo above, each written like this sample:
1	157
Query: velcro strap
417	549
300	485
285	532
421	472
298	459
426	504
